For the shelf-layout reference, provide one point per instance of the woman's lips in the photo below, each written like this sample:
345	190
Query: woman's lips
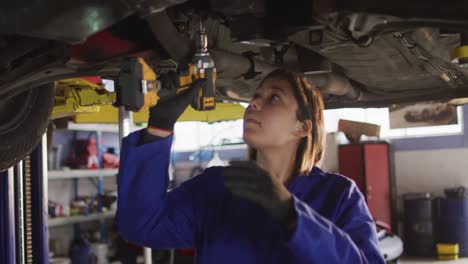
251	120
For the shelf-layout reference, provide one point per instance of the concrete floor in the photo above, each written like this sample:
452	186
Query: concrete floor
432	261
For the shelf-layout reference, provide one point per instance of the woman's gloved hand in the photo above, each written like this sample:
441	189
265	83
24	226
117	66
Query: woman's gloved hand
164	115
247	180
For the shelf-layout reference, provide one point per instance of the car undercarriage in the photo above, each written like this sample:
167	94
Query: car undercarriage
358	53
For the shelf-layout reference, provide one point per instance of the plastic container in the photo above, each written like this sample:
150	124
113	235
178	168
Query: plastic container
81	252
101	250
447	251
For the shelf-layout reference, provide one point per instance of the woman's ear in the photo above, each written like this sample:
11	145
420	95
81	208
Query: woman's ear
303	128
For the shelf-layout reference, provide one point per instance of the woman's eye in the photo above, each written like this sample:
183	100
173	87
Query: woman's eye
275	98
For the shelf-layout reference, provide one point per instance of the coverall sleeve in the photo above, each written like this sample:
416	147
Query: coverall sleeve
351	239
146	213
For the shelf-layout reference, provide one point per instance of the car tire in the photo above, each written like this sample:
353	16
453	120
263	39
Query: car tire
23	121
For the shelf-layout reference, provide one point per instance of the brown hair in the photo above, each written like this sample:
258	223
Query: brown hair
310	107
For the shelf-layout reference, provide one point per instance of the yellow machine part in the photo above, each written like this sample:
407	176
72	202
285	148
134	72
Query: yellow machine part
148	73
151	97
459	53
91	103
187	78
223	111
79	96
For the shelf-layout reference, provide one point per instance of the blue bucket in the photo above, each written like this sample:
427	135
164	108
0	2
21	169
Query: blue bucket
82	253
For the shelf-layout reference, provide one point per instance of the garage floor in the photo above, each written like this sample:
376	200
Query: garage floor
424	261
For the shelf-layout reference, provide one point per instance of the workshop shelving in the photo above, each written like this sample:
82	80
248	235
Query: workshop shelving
81	199
60	221
76	174
110	128
96	176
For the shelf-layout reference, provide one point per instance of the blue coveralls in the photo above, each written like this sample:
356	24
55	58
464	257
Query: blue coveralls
333	225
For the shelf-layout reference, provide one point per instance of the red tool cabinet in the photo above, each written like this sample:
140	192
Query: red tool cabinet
368	165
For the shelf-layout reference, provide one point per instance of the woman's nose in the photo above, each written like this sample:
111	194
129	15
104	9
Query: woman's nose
255	104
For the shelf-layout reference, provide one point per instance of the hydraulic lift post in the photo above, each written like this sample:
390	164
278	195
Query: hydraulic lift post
7	220
39	203
23	210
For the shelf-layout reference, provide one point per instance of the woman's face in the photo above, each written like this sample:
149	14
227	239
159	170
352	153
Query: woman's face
270	119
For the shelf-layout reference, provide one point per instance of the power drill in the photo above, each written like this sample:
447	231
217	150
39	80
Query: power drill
137	87
204	68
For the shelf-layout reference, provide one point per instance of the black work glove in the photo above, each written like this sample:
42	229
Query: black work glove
247	180
165	114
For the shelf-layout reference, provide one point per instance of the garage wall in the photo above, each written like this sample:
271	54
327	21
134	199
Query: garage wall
430	170
420	164
431	164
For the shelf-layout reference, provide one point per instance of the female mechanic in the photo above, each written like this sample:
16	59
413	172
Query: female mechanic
279	207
